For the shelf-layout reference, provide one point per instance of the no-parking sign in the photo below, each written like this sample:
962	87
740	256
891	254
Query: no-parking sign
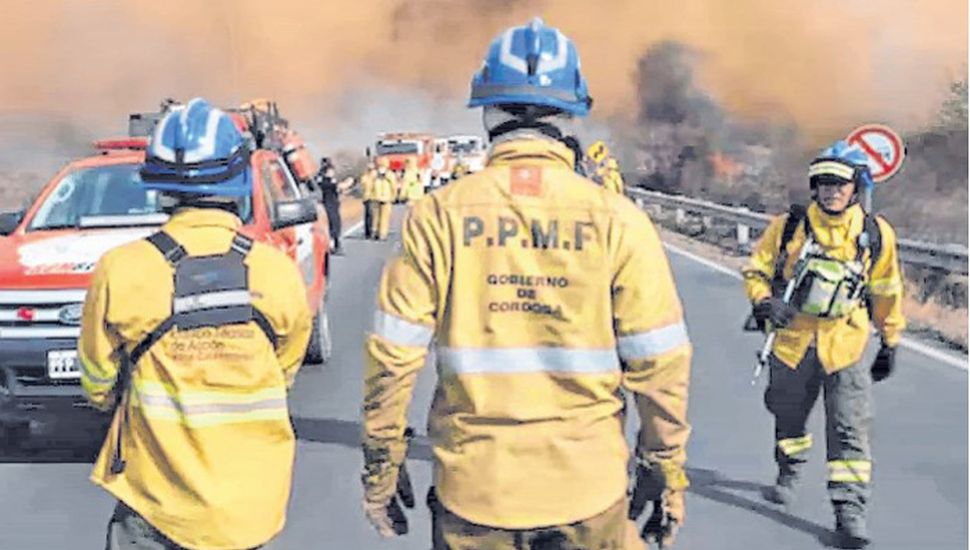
883	147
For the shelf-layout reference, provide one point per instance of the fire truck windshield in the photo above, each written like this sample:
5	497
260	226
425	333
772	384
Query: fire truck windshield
463	146
398	148
112	192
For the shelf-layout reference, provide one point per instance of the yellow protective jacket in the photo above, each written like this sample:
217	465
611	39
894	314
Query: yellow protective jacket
385	187
841	341
613	181
411	186
208	441
545	295
367	185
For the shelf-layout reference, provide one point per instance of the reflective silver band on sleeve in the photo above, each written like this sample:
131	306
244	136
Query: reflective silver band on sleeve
401	332
651	343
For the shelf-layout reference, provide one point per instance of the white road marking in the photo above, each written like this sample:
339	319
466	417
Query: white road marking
352	228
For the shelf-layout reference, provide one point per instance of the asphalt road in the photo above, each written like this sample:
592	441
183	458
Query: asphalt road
920	445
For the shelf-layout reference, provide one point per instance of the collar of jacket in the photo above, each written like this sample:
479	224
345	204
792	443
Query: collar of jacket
204	217
542	152
836	230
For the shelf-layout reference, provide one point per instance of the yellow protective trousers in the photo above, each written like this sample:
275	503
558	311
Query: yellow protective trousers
382	220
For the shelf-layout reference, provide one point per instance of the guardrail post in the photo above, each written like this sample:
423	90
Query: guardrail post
679	217
744	234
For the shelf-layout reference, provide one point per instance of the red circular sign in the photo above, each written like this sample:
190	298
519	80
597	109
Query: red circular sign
883	147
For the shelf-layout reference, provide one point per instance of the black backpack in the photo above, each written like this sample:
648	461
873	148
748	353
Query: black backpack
210	291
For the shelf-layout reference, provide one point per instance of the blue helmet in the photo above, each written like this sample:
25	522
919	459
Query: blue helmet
197	149
532	65
841	162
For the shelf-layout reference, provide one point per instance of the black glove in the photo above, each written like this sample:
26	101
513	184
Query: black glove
667	505
775	310
884	364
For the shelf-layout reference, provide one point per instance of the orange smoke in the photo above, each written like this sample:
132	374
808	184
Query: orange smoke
828	64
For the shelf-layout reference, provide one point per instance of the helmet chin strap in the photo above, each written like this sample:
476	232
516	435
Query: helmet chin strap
852	201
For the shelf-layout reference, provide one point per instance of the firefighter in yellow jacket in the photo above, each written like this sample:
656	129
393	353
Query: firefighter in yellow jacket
384	191
612	179
461	168
367	196
412	188
595	161
850	259
546	296
194	350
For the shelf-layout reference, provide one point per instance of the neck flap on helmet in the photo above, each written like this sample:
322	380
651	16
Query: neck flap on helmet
504	119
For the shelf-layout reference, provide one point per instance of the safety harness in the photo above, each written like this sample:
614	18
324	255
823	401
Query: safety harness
210	291
826	283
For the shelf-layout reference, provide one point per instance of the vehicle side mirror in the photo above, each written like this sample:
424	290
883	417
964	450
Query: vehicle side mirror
290	213
9	221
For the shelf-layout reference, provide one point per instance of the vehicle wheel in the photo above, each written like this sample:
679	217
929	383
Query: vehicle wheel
320	347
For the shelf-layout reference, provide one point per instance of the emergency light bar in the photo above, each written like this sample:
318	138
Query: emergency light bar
121	144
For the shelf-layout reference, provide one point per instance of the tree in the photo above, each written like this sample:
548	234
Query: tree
952	114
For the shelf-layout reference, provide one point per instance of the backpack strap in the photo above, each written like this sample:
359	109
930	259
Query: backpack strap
173	253
150	340
263	323
870	239
241	245
797	215
169	248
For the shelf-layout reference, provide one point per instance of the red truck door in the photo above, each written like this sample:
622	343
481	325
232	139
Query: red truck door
297	241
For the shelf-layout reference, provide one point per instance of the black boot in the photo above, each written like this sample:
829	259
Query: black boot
783	491
850	529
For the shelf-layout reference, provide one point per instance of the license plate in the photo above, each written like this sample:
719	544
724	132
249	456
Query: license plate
63	364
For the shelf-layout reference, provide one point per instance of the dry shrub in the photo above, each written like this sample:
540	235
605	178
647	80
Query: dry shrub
934	318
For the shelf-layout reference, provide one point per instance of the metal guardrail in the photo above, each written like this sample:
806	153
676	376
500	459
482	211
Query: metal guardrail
951	258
